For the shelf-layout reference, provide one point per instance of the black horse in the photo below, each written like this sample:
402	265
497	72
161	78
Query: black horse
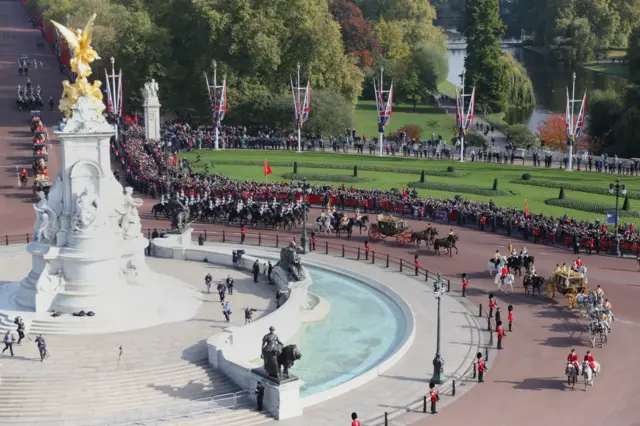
160	209
361	222
346	227
515	263
533	283
448	244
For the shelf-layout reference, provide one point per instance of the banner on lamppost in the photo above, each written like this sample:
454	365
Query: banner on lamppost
301	106
218	99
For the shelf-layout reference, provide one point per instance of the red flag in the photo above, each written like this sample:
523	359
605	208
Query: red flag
526	208
175	159
267	168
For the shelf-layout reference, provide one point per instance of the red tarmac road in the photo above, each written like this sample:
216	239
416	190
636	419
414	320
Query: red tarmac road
525	385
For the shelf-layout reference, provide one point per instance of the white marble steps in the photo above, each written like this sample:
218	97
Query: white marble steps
238	417
65	393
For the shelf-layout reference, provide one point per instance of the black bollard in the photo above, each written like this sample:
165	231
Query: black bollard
386	419
373	257
326	247
224	237
387	255
259	239
343	250
474	370
453	390
277	240
480	313
358	253
424	404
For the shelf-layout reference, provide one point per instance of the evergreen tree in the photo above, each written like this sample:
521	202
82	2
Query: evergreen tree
483	30
561	195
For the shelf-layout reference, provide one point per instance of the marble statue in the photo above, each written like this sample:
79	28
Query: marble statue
51	282
82	56
150	91
129	220
46	225
87	206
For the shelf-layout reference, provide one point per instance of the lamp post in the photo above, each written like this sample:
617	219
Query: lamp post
438	361
304	189
617	189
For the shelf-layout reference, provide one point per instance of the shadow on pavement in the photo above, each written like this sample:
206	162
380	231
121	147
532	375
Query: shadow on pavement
538	383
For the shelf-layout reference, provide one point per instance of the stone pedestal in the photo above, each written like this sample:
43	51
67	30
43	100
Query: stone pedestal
281	398
152	119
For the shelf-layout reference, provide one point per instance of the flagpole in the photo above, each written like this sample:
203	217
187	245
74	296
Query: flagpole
571	126
381	135
463	121
299	113
215	97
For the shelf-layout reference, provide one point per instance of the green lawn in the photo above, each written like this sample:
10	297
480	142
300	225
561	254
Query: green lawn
477	174
430	118
448	89
617	69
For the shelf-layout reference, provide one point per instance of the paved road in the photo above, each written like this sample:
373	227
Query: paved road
16	38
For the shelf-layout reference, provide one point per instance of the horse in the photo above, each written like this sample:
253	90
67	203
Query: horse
345	227
286	358
448	243
527	261
572	374
531	283
515	263
361	222
508	281
495	268
160	209
596	326
589	374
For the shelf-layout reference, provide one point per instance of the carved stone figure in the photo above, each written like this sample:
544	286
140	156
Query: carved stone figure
46	225
290	262
51	282
85	118
129	220
150	91
87	206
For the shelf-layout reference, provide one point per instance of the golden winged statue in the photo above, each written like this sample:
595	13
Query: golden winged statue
82	57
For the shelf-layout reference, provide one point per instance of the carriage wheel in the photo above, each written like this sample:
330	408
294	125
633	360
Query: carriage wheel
570	301
374	234
550	290
400	239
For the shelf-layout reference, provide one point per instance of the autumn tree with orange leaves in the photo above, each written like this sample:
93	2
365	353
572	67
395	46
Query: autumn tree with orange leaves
553	131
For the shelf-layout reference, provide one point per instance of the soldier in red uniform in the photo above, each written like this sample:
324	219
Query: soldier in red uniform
243	234
416	263
492	305
500	333
503	273
354	419
481	367
573	358
510	317
433	396
367	249
465	284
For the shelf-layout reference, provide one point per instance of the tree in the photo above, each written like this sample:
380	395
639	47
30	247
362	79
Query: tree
390	35
520	136
519	87
553	131
633	55
357	35
576	42
419	75
330	114
483	30
605	108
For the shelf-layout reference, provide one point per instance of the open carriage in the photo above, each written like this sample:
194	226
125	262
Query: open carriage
569	284
388	226
42	183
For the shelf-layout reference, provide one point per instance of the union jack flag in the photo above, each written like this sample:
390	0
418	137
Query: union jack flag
303	113
458	111
469	120
580	121
385	114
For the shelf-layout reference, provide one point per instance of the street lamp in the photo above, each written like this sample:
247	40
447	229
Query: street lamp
438	361
304	189
617	189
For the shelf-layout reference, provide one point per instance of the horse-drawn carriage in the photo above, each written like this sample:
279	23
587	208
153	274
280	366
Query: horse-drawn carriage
569	283
41	183
389	226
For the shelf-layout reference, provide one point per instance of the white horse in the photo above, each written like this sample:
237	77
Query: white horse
588	373
493	269
508	281
572	374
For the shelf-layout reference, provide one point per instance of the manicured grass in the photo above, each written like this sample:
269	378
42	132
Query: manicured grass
447	89
430	118
473	174
617	69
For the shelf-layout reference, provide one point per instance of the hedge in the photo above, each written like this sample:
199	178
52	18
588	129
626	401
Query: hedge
465	189
590	207
634	195
363	167
325	178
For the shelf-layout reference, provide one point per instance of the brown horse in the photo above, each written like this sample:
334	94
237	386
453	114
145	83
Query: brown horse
447	243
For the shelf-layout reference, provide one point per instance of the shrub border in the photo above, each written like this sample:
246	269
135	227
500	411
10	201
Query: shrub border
545	183
361	167
589	207
326	178
462	188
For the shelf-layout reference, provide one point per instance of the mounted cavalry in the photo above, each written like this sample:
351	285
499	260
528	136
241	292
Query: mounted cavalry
448	244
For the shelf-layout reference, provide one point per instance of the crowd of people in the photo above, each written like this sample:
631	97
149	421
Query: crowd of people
144	164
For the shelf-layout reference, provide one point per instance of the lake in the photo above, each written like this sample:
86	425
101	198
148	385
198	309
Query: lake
549	83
